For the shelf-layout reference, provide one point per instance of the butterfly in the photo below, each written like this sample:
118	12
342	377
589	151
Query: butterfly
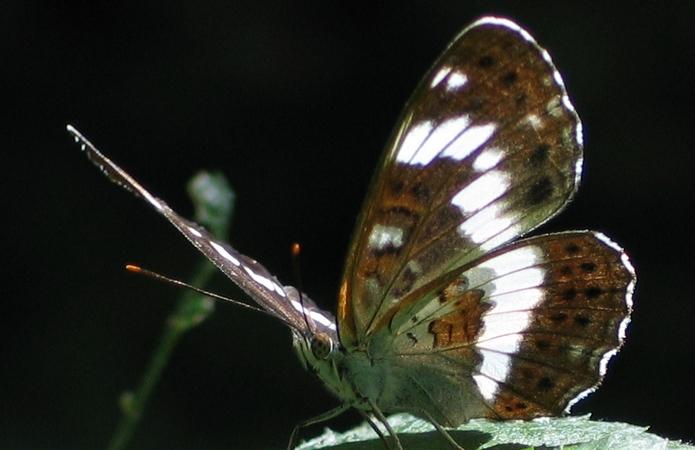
442	312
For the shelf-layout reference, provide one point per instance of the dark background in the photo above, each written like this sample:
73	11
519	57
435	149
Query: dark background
293	102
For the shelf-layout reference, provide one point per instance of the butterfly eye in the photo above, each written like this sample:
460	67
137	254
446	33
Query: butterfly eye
321	345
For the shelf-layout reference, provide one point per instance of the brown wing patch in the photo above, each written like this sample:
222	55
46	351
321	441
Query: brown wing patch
462	326
510	405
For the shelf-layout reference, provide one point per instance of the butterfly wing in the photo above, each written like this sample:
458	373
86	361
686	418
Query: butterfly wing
523	332
280	301
488	148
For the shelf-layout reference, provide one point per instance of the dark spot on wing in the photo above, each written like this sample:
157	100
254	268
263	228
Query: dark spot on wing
569	294
421	192
539	156
582	321
593	292
486	62
572	248
545	384
540	191
588	267
566	270
510	78
558	317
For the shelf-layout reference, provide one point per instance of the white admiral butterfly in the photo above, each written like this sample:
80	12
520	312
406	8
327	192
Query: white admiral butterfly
438	314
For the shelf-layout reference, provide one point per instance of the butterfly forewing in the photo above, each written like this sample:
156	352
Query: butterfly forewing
280	301
488	148
531	325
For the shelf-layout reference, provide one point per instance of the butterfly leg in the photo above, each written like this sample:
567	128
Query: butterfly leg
441	430
382	418
335	412
371	421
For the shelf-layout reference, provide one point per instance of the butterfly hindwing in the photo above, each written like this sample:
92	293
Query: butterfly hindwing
488	148
531	326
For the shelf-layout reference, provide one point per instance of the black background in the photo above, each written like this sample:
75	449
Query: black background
293	102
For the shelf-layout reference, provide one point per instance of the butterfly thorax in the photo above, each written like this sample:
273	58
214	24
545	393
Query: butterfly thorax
351	375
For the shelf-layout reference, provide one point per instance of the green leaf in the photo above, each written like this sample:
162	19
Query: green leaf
569	433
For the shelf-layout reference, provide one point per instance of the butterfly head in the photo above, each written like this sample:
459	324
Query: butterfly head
315	348
314	331
321	354
321	345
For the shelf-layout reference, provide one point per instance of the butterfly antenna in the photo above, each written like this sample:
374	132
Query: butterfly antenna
158	276
296	253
